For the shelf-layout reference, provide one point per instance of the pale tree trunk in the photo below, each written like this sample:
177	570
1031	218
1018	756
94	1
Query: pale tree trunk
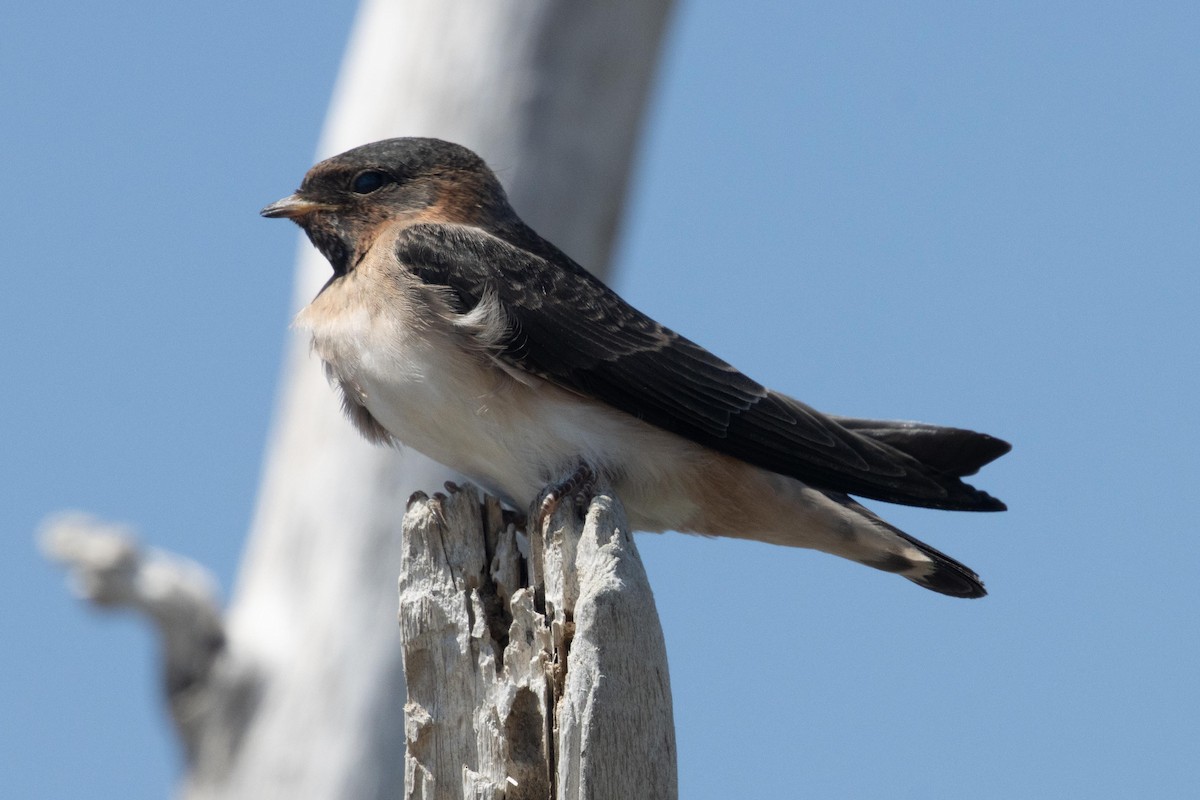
297	693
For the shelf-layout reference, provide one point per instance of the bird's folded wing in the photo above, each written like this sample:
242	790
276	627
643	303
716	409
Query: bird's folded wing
565	326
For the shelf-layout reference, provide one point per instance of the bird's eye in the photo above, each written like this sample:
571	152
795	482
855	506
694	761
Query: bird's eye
369	181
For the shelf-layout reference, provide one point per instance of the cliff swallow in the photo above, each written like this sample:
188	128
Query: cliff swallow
450	326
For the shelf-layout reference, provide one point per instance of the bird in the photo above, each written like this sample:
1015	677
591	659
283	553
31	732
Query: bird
451	327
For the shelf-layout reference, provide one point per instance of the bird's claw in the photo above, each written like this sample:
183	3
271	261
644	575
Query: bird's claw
578	486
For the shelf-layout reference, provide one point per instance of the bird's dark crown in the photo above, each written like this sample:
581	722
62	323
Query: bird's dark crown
344	200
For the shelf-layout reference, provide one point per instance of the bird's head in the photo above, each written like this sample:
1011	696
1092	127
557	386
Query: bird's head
345	200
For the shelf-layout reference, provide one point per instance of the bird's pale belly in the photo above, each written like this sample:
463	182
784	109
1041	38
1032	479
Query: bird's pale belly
512	436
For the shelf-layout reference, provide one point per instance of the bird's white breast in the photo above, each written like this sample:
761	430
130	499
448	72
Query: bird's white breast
430	389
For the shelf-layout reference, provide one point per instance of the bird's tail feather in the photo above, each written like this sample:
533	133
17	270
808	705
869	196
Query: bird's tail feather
776	509
911	558
943	574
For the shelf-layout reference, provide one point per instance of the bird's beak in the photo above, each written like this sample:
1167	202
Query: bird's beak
292	207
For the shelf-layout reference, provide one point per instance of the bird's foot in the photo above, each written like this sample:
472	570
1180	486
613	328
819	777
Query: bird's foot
579	487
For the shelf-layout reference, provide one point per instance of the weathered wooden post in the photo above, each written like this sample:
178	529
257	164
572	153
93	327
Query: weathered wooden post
533	671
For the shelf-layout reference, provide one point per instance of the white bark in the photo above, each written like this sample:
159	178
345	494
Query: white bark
210	694
517	685
615	726
303	697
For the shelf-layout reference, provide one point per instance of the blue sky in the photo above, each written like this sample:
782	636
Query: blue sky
983	216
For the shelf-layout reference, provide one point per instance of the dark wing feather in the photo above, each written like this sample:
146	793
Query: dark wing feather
568	328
